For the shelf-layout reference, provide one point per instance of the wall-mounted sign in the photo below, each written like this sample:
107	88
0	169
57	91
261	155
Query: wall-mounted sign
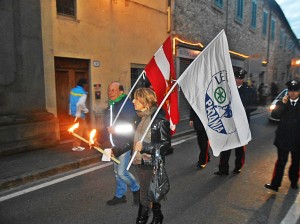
96	63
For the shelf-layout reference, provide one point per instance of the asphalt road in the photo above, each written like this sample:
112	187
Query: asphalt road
196	196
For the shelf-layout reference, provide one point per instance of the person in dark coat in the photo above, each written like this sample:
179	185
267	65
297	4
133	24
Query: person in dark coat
201	138
248	98
274	90
157	140
287	137
121	142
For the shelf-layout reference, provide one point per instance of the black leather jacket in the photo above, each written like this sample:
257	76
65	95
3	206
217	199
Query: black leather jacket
160	138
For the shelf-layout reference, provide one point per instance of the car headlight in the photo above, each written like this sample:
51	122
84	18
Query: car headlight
272	107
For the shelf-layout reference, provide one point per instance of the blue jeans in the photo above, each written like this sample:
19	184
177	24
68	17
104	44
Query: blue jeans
124	177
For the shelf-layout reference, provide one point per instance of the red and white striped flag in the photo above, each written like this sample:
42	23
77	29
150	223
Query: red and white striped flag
160	72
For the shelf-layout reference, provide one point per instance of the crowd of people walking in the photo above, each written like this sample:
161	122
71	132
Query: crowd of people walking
138	113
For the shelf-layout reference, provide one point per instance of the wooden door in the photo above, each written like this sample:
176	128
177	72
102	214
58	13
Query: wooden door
67	73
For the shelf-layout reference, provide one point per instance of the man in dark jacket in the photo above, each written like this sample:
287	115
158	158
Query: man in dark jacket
202	139
248	98
287	137
121	141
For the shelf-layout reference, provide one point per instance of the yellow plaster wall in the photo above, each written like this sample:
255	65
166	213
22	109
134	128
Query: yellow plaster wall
114	32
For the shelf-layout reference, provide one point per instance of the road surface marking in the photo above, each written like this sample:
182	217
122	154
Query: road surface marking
293	214
37	187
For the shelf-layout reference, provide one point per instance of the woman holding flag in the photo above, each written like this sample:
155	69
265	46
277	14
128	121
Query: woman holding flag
157	137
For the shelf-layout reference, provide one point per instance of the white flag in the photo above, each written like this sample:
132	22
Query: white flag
209	86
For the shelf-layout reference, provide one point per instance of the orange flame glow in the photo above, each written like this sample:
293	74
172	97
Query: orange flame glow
92	135
73	127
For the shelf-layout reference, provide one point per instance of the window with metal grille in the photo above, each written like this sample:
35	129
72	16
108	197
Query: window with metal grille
66	7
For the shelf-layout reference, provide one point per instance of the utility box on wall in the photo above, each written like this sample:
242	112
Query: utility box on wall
97	90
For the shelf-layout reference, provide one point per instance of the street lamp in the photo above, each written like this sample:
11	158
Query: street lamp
295	62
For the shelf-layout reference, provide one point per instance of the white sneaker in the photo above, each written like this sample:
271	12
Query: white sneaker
80	148
77	149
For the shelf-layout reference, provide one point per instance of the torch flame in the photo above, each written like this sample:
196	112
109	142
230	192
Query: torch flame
92	135
73	127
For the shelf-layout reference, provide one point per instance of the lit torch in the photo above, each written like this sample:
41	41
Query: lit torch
92	135
91	142
71	129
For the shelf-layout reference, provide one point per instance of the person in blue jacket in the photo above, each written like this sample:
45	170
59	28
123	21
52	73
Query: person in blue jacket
78	109
121	139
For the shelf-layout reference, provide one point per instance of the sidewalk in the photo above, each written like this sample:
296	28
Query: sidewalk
19	169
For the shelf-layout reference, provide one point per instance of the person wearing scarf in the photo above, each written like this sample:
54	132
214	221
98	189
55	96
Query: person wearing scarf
158	136
121	143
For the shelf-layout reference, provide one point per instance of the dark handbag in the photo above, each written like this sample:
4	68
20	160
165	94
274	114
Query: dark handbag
159	184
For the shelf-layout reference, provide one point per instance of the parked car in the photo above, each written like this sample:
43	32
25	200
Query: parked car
273	104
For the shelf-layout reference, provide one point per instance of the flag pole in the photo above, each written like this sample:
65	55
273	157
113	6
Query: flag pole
132	88
167	95
155	114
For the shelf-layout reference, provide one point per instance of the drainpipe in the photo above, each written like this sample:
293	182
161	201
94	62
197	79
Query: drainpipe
269	40
169	16
226	21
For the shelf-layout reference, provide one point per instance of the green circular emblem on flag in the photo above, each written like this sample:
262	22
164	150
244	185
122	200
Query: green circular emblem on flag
220	95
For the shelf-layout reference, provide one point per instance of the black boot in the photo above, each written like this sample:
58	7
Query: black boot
143	215
157	215
136	197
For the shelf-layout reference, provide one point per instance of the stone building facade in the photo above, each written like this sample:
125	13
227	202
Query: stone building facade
257	29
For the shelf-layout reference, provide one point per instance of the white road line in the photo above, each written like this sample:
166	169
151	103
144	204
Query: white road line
182	141
293	214
37	187
25	191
